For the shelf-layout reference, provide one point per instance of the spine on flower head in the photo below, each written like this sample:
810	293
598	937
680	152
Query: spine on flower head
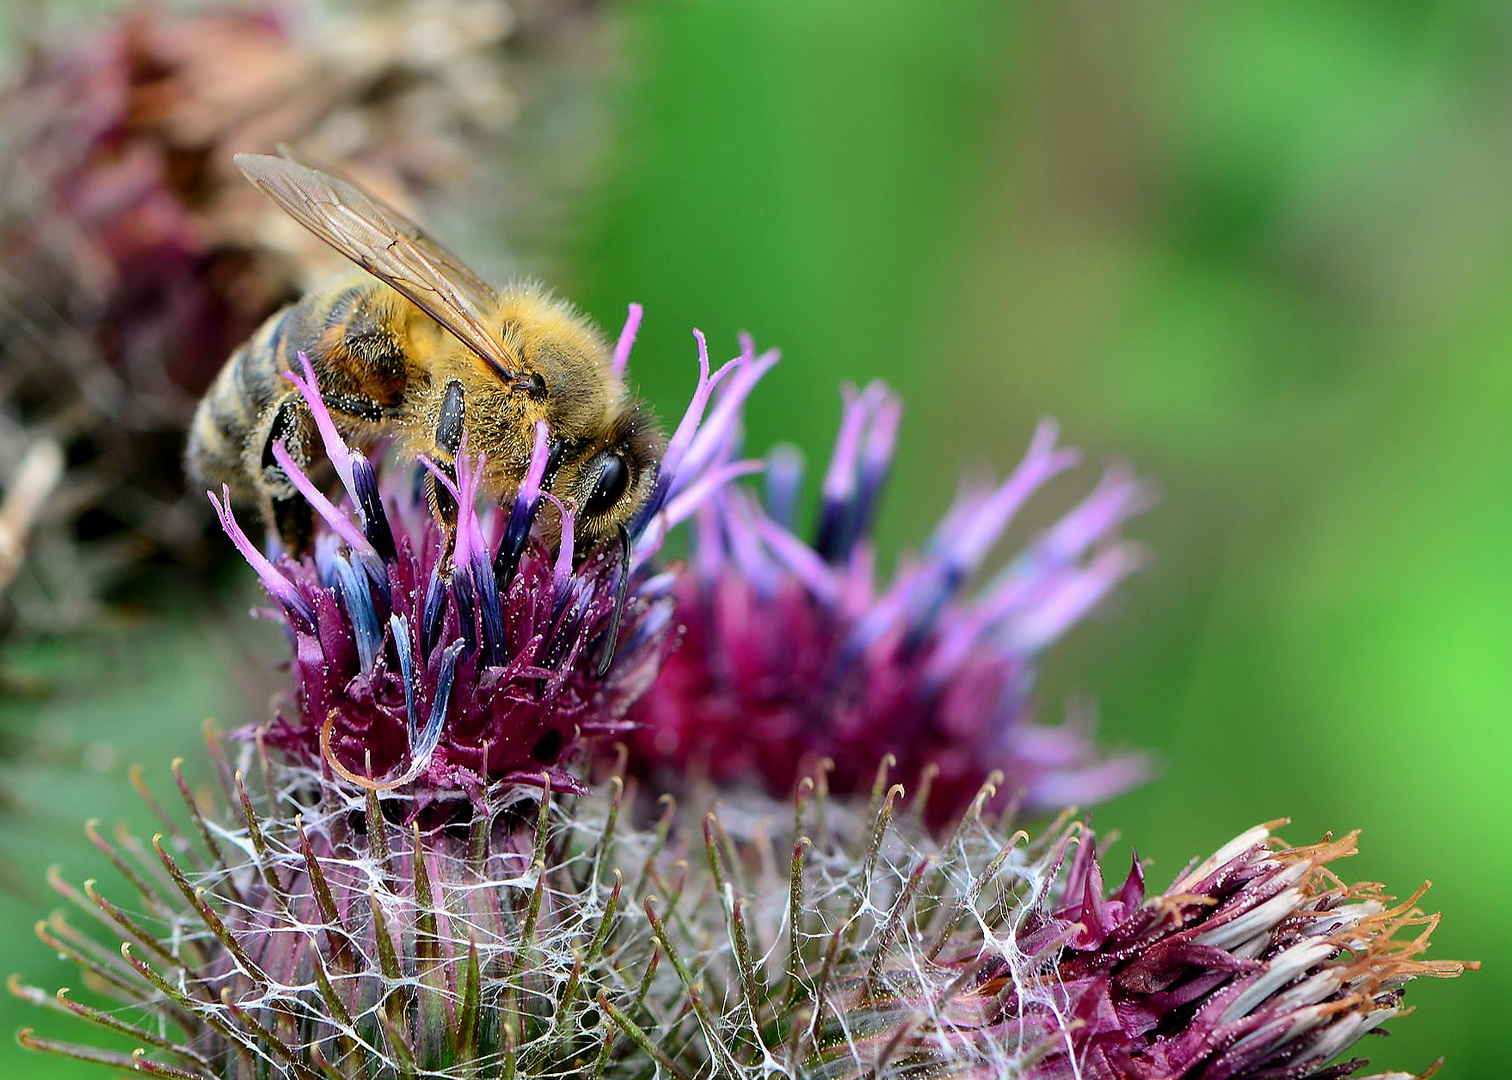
818	938
522	510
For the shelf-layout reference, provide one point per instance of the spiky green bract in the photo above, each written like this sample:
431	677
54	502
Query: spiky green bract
994	955
298	931
323	936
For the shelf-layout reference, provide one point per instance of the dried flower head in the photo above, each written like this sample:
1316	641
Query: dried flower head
794	652
448	672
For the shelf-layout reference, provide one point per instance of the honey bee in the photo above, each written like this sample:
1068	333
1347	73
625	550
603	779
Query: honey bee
421	349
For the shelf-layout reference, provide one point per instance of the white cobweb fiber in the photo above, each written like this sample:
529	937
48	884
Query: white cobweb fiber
332	931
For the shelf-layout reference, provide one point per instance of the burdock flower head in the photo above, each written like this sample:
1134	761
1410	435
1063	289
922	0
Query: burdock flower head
446	669
305	939
794	652
392	885
405	877
877	951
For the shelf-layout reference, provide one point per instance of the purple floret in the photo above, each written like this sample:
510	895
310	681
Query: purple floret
492	668
794	652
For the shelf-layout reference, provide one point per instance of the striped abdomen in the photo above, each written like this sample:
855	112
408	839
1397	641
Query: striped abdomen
351	337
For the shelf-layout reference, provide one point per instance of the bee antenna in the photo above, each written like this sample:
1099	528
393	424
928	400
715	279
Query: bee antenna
621	594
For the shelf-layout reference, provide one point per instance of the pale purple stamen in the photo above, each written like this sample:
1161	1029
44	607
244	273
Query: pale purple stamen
692	416
970	494
340	524
470	542
741	518
523	511
964	551
561	571
876	462
709	552
858	578
626	340
688	429
882	437
817	576
337	450
280	587
854	476
784	482
1116	498
959	545
680	508
356	472
471	546
1091	783
720	431
1035	574
1070	598
686	504
540	453
840	477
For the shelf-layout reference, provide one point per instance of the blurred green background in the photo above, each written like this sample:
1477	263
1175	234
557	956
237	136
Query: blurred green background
1263	252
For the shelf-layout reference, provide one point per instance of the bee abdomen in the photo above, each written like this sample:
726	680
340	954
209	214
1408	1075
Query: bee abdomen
358	357
228	414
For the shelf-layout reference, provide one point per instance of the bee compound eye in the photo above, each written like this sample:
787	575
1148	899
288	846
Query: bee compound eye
610	478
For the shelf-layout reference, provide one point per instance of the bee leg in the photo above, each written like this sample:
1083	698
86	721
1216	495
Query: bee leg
288	514
294	522
448	442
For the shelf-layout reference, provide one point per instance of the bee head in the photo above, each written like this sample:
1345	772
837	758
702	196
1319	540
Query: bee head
605	446
609	476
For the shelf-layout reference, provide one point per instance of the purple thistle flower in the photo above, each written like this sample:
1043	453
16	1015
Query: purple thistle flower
793	652
493	666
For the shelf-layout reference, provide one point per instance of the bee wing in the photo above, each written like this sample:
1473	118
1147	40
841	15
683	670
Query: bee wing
388	245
